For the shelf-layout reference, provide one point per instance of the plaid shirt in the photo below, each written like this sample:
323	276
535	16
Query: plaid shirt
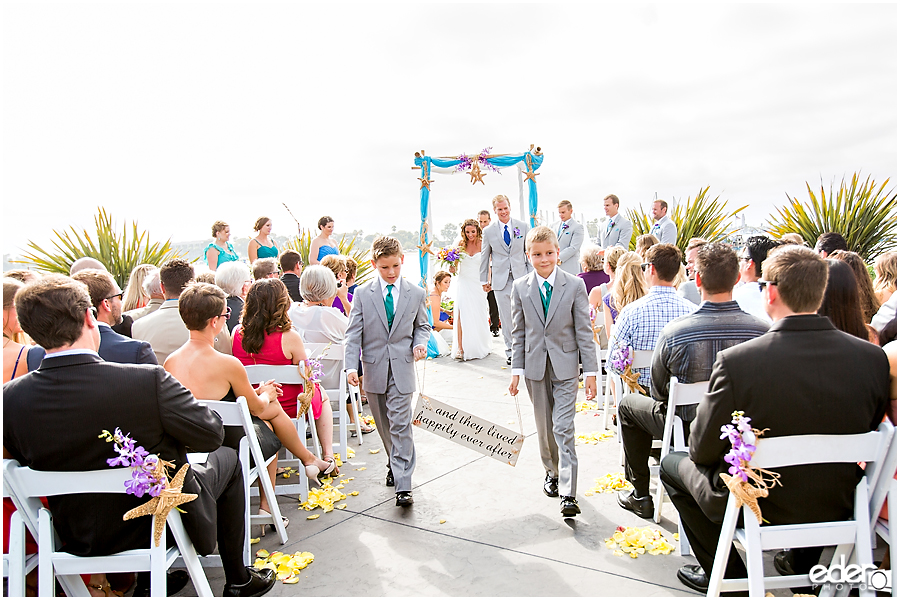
640	323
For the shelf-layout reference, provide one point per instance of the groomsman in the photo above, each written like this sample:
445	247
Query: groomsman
570	234
618	229
502	261
484	219
663	228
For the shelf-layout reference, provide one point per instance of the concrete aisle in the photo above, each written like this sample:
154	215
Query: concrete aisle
501	535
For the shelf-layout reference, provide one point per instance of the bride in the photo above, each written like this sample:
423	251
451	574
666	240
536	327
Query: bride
470	309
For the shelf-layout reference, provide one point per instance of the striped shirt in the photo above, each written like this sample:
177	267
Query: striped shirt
688	346
640	323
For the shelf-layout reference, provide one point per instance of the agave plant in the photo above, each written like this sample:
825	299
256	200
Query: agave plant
700	216
119	252
346	244
863	212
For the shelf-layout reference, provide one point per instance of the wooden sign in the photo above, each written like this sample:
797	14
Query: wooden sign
468	430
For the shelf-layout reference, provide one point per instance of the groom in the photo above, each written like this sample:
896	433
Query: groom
503	256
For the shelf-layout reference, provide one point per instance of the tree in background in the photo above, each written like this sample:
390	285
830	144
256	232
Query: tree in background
699	216
864	215
117	251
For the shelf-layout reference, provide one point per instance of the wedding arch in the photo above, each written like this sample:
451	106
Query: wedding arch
527	163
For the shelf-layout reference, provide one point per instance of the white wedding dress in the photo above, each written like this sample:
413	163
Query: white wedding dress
470	309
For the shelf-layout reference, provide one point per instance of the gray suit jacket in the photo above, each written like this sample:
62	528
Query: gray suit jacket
565	331
500	258
665	230
166	332
368	331
570	242
619	234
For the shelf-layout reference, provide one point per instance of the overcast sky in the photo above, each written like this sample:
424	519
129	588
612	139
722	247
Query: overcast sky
179	114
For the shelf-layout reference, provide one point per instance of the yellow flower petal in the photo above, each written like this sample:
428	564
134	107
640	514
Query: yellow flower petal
443	521
354	493
341	506
374	450
311	517
262	553
254	540
293	579
360	469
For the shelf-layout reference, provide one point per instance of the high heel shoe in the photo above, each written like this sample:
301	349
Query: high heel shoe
332	466
312	473
267	526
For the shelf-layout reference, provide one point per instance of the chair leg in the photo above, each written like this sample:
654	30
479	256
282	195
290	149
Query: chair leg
189	556
354	406
16	574
892	535
723	549
755	576
46	546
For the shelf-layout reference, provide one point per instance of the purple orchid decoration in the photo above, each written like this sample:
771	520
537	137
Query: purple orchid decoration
316	367
565	226
517	233
743	444
620	359
143	466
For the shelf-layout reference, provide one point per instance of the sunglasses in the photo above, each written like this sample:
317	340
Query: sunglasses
746	258
94	312
227	314
763	283
120	295
644	266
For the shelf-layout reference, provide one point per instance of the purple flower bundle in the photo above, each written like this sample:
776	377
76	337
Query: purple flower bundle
743	444
466	162
146	477
449	255
620	359
315	370
565	226
517	233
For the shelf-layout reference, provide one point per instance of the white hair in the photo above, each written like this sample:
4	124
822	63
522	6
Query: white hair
318	284
231	277
151	284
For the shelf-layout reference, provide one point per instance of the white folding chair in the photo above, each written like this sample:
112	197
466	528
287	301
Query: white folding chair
787	451
288	374
26	488
16	565
335	384
237	414
680	394
885	488
616	390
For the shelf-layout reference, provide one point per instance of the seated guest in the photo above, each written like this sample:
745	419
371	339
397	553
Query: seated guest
640	323
266	337
220	251
630	285
610	261
265	268
205	277
440	319
885	276
338	266
320	323
687	348
291	268
234	279
135	296
107	300
794	238
887	312
829	242
841	300
868	301
164	328
801	377
592	272
26	276
153	291
75	395
689	288
644	242
86	262
15	354
352	268
211	375
746	292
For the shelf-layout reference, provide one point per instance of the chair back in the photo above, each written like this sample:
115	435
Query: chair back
680	394
793	450
289	374
883	481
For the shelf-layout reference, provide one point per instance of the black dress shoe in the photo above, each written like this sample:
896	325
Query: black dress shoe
389	480
509	360
175	582
694	577
642	507
568	506
551	485
495	333
404	499
261	581
783	563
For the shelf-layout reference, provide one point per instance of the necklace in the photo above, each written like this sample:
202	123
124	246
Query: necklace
8	340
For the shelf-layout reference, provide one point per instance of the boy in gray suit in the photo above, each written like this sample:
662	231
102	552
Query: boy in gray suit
388	323
551	324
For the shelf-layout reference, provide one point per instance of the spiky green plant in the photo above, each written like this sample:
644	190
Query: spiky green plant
864	213
118	251
346	245
699	216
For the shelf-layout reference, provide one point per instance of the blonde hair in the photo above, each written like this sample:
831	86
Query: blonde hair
630	284
613	255
681	277
135	291
564	203
499	198
886	272
590	257
541	233
794	238
644	243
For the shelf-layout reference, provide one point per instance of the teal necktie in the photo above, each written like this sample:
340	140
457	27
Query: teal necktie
545	297
389	306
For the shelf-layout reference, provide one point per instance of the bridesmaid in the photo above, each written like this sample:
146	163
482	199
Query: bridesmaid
220	250
323	245
262	246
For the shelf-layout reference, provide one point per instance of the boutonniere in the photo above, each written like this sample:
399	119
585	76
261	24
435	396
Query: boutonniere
517	233
565	226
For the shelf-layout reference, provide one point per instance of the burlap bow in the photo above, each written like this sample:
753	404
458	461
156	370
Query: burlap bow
631	380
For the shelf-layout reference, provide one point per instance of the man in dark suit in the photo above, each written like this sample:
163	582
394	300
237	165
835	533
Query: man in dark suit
291	267
52	418
107	299
802	377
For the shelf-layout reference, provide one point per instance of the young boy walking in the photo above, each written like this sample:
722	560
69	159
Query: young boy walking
389	324
550	325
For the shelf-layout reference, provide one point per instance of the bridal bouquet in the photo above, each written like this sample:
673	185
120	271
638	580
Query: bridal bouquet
746	483
620	361
449	255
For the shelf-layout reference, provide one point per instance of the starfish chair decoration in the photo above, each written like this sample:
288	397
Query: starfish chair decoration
160	506
476	173
423	245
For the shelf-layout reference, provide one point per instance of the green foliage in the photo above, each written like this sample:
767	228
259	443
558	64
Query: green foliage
864	213
345	246
116	250
699	216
